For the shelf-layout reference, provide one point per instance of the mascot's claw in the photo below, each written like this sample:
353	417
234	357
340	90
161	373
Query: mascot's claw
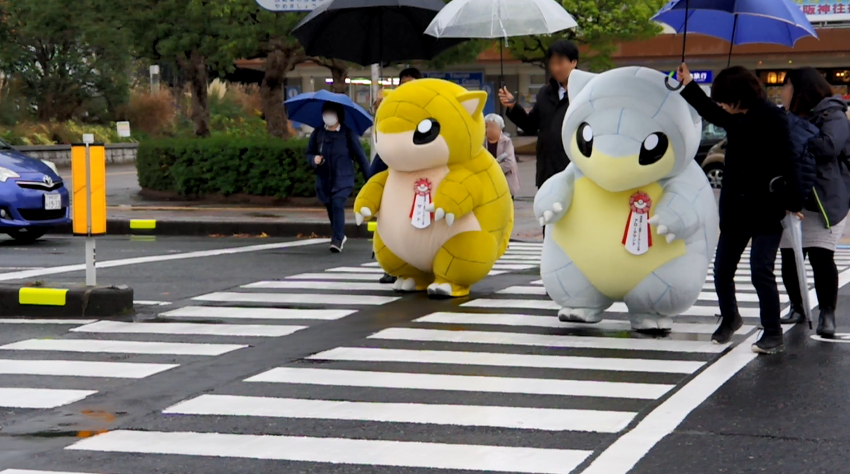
364	214
450	219
662	229
547	216
557	207
670	238
654	219
439	214
542	222
431	207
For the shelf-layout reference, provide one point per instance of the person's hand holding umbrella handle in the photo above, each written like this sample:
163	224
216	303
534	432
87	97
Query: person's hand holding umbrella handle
318	159
506	98
683	74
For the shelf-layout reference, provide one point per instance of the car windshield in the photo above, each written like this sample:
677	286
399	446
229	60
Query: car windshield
710	132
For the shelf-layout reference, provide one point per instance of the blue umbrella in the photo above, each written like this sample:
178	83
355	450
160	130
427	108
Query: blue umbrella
307	108
738	21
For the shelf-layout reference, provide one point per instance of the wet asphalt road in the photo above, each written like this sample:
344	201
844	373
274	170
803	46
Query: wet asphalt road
489	383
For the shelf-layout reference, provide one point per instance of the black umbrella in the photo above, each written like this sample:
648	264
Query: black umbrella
372	31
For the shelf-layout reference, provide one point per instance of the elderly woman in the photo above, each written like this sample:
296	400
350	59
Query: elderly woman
500	146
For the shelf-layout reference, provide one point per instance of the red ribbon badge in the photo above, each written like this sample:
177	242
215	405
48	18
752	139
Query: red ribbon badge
637	237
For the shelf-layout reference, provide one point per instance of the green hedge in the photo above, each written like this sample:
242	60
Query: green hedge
219	165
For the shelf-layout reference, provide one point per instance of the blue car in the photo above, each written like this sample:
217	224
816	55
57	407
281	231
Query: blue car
33	198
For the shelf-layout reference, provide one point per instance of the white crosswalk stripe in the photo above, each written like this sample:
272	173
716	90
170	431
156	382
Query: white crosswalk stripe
498	363
466	415
40	397
339	451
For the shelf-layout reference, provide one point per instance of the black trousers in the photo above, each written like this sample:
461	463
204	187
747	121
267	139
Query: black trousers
826	277
762	260
336	214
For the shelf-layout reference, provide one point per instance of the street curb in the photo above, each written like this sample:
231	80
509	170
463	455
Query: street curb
207	228
65	302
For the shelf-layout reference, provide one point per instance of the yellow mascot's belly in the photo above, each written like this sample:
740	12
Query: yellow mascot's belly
592	232
418	247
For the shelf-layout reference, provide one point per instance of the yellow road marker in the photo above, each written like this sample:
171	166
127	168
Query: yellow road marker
42	296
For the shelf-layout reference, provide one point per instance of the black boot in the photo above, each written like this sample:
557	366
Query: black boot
794	316
770	344
387	279
826	323
727	328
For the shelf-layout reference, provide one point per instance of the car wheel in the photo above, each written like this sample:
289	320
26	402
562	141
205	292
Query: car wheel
714	173
28	235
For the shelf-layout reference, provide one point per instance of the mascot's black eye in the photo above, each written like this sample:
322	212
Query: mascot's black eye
584	138
426	132
653	148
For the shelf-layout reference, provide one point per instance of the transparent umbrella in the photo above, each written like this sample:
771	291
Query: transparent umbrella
793	230
500	19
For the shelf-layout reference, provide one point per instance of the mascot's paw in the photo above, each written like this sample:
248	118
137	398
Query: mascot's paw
439	213
651	323
447	290
580	315
666	225
364	214
406	285
547	216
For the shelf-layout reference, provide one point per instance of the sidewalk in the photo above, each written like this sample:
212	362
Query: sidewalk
128	212
126	206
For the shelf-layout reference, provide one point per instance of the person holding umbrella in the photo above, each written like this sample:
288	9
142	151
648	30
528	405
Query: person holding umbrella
757	152
331	151
548	113
808	95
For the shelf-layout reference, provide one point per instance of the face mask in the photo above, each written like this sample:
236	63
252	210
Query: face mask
330	119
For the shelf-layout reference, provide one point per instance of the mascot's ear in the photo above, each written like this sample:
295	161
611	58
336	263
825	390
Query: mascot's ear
473	102
578	79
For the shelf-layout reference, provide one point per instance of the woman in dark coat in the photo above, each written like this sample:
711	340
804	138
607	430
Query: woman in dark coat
758	150
332	151
808	95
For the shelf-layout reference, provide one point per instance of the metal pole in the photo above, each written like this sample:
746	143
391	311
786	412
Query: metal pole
91	277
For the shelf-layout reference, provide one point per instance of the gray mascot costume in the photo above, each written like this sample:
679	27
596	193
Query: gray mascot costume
632	218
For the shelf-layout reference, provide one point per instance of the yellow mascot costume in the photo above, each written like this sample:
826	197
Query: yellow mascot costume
445	212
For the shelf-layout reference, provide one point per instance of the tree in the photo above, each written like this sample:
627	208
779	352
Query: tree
601	25
339	73
191	34
258	33
64	54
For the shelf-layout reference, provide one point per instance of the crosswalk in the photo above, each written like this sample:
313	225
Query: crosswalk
216	324
479	386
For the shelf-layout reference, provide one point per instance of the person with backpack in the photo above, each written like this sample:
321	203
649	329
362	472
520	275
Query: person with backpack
332	151
758	151
809	99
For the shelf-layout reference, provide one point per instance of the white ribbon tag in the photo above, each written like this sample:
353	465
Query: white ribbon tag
419	216
637	237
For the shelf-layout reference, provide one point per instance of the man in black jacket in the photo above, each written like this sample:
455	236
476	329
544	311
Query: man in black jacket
547	115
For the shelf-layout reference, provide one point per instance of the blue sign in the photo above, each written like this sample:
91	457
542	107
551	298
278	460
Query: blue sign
291	92
470	80
490	107
700	77
289	5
